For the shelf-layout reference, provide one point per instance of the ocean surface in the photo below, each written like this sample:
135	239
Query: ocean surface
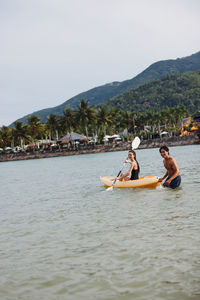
63	236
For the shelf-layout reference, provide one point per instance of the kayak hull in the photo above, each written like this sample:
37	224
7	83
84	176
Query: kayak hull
142	182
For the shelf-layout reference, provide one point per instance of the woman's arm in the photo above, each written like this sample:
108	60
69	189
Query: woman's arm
128	172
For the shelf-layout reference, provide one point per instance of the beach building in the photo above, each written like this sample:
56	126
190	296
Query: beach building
73	139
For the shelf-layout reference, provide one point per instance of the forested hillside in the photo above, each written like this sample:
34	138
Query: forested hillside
105	92
168	91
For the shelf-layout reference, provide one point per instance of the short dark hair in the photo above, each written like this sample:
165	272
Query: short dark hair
164	148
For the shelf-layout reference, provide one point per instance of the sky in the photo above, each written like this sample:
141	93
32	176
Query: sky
52	50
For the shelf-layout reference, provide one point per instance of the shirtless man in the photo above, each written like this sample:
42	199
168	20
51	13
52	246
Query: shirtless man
173	176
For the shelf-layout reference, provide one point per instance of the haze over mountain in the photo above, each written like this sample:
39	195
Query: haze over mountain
99	95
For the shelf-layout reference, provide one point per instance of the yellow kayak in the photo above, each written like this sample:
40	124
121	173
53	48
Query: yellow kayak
142	182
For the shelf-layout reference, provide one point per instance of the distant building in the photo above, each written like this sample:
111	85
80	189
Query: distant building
185	121
73	137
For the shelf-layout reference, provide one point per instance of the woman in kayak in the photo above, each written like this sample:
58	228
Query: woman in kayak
133	172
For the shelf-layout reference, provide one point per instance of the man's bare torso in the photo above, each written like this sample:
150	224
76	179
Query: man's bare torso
171	166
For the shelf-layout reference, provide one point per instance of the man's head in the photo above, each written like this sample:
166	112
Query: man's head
164	151
164	148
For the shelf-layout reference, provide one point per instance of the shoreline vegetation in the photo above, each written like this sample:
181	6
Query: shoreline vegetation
120	146
95	130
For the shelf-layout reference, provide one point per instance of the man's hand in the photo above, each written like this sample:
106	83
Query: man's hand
167	183
160	179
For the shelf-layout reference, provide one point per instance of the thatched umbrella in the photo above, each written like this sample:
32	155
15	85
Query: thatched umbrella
73	137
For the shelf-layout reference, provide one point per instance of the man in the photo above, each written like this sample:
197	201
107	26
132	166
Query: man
173	176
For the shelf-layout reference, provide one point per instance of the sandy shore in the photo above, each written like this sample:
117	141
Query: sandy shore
145	144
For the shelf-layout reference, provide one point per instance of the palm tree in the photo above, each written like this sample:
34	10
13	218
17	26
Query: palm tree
67	120
85	115
180	112
172	116
156	121
20	133
127	120
52	126
140	120
5	137
34	127
148	117
114	120
103	119
164	117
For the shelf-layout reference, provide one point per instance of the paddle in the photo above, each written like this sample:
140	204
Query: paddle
134	145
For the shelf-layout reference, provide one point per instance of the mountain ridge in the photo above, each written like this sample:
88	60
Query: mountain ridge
103	93
171	90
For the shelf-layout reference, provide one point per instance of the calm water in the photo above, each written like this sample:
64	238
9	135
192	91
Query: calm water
62	236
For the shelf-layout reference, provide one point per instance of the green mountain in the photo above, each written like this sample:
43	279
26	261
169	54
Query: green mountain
168	91
100	94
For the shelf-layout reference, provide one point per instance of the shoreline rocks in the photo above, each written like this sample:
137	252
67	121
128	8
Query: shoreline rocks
145	144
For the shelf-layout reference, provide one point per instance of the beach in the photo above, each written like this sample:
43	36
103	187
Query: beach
145	144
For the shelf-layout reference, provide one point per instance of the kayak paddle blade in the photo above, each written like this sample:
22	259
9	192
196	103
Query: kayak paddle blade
109	189
135	143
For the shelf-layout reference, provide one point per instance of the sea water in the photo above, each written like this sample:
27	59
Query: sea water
63	236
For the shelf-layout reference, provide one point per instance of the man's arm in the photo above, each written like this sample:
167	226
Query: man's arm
161	179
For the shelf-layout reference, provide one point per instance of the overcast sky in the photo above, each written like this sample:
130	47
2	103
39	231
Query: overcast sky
51	50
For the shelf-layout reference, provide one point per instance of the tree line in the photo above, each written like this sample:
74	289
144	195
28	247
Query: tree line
91	122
